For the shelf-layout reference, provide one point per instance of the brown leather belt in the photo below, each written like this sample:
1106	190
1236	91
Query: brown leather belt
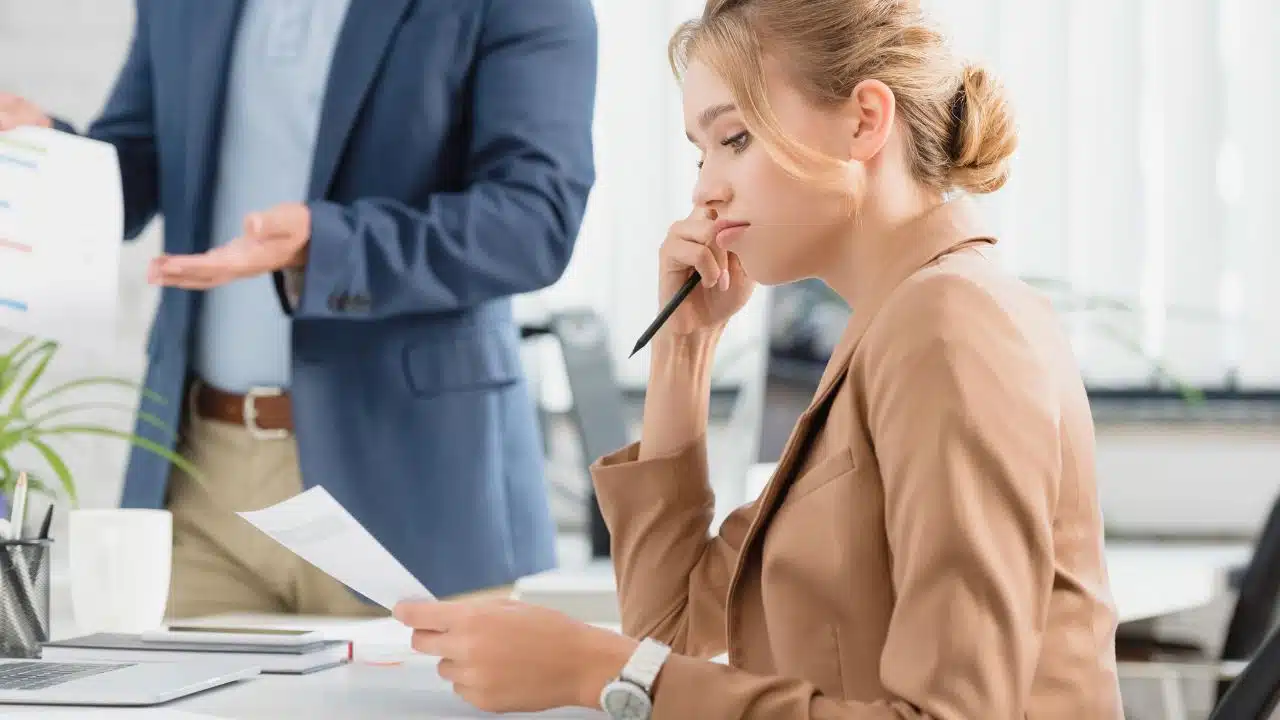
265	412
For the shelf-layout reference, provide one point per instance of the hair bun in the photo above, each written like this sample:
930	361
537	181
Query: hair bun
983	134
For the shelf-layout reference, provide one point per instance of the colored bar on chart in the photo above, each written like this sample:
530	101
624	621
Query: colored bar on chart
13	304
6	244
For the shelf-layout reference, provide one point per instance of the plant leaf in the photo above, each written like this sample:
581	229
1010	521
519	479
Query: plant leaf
145	417
6	476
59	468
97	380
48	349
1189	393
9	439
144	443
18	359
8	358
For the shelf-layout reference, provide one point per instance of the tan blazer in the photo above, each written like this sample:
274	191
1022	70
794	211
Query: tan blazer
931	545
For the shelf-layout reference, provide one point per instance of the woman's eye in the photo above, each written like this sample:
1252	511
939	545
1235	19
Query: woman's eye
737	142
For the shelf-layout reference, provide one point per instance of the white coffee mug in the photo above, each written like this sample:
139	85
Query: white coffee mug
120	566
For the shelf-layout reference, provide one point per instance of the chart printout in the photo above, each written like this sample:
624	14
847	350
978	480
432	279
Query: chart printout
61	231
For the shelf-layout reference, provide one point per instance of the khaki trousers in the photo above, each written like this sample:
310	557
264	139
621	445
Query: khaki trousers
221	563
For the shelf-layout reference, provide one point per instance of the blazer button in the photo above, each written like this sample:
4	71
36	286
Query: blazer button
338	302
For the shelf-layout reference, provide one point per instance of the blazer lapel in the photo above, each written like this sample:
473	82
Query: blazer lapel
211	25
942	231
365	37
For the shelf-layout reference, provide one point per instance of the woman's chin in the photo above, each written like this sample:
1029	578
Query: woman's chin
765	273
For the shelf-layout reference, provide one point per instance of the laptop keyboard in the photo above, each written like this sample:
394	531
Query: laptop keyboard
21	675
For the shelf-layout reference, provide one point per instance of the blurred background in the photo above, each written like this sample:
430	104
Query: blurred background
1143	199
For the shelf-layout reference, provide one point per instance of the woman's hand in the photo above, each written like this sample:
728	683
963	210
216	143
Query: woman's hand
690	245
507	656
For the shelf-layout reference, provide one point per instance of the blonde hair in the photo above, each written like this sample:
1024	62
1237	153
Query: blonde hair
959	128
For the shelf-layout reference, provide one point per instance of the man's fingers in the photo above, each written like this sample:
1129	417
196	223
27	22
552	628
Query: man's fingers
279	220
188	272
16	112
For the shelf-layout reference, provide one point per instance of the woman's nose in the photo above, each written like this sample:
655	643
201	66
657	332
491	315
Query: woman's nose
708	192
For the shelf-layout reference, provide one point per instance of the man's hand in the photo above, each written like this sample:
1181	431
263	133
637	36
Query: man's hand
16	112
275	239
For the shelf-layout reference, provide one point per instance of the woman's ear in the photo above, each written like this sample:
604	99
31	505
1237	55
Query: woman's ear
870	109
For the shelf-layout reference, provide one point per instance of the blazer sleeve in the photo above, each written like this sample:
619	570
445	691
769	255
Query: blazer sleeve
962	414
127	122
672	575
529	171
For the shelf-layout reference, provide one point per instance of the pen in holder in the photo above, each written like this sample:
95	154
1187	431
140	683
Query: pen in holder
24	597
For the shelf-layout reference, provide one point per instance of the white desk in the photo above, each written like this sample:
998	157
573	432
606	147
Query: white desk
369	689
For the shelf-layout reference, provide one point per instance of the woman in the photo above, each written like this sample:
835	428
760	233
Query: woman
931	543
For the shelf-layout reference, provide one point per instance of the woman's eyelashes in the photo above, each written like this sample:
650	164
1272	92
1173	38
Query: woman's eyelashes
738	142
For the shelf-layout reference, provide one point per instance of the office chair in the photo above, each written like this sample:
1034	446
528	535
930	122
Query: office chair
599	410
1256	690
1251	621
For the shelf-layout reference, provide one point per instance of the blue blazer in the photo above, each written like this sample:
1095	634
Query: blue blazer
452	168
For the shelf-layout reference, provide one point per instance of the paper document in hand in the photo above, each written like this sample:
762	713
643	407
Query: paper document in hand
319	530
61	231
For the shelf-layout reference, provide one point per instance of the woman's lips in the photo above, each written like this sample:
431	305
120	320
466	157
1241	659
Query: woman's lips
729	231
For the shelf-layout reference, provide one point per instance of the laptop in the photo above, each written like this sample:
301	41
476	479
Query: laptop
46	682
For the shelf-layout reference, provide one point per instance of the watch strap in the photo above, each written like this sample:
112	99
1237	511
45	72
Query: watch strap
642	669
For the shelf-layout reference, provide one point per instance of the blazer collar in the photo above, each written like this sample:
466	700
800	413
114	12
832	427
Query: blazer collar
365	38
363	41
212	27
944	229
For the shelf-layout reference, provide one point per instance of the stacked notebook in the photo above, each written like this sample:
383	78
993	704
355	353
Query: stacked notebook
112	647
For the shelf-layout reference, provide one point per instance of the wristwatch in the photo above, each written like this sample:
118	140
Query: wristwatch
630	695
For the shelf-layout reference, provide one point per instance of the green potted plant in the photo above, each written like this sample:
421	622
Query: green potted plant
38	419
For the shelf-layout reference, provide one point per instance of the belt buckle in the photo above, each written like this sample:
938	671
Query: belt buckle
251	414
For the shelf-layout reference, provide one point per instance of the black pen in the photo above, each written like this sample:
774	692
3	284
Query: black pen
48	520
669	308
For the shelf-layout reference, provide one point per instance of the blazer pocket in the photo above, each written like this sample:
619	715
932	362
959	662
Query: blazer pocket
468	357
823	472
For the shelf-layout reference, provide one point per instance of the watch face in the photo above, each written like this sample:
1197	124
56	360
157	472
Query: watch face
624	701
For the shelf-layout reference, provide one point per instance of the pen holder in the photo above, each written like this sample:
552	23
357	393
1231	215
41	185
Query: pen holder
24	597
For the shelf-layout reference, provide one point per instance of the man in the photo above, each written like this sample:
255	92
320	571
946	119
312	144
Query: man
352	190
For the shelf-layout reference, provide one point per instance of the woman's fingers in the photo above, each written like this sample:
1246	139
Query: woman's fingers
689	243
700	257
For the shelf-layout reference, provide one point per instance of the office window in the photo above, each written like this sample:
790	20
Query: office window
1143	193
1145	184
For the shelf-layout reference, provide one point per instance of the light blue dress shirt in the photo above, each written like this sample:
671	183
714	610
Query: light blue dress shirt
278	73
